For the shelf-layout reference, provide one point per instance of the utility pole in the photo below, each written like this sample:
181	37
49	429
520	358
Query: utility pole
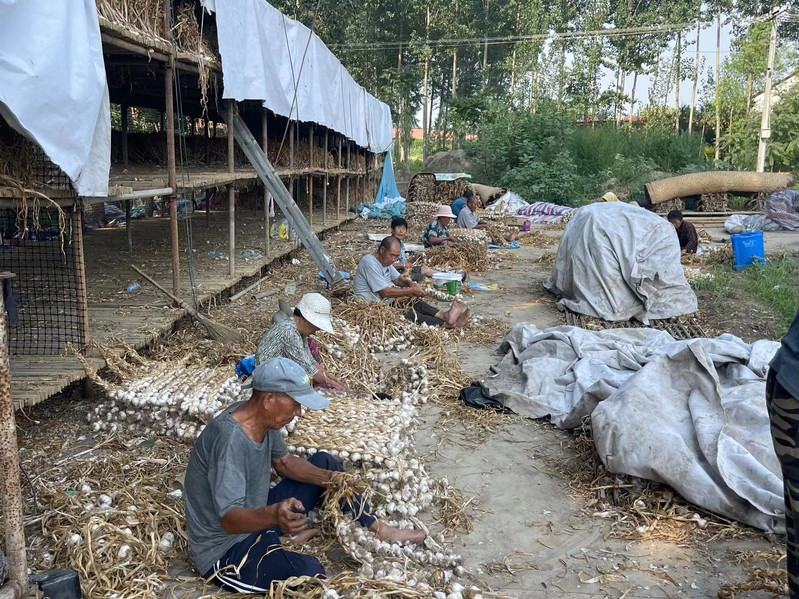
765	123
426	108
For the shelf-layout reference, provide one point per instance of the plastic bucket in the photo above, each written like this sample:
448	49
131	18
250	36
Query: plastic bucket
453	287
749	249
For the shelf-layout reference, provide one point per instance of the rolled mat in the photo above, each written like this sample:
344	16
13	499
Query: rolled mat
715	182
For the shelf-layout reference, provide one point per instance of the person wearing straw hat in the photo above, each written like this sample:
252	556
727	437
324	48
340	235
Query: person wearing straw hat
234	518
437	233
289	338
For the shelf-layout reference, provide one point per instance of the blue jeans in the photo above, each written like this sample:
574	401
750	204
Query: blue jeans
251	565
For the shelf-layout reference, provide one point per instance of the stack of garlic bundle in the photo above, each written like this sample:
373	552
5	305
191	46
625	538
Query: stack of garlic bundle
492	215
175	403
424	209
478	235
375	439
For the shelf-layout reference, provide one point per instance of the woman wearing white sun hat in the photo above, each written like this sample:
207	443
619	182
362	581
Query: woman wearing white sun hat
288	338
437	232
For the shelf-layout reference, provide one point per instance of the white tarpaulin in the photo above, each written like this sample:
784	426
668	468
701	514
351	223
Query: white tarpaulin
691	414
53	85
264	54
618	262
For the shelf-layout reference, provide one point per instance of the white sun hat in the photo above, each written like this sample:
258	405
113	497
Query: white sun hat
315	308
445	211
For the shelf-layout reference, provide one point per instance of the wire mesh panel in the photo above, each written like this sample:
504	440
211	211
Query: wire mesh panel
40	247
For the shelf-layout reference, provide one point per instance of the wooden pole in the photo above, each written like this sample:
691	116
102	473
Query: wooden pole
80	276
349	173
765	121
338	183
9	468
206	136
265	144
208	207
128	229
231	190
169	75
310	179
324	188
124	109
291	169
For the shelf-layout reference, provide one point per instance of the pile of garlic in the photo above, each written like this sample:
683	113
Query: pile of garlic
175	403
478	235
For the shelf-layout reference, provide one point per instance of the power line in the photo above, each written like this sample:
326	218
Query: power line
513	39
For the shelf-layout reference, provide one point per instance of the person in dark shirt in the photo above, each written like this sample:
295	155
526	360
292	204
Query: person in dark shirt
782	399
686	232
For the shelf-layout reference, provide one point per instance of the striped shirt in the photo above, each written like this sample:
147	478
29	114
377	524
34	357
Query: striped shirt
284	341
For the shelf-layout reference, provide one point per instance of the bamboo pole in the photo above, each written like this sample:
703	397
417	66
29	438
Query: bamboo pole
80	276
231	190
9	466
169	79
349	172
265	144
291	177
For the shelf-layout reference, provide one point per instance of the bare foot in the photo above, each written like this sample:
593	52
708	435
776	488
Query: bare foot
451	315
463	319
305	536
387	533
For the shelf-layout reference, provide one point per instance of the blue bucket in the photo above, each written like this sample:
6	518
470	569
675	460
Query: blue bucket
749	249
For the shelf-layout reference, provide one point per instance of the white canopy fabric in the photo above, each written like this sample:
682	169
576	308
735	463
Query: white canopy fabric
53	85
264	54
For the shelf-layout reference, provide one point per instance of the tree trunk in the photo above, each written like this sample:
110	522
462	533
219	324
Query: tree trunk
617	101
513	71
679	80
561	75
534	90
632	97
749	84
668	79
696	79
485	46
718	84
426	86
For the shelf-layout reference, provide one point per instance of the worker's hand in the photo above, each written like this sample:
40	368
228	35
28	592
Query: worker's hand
417	290
290	516
684	252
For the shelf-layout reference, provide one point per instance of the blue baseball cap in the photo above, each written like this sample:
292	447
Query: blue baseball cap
281	375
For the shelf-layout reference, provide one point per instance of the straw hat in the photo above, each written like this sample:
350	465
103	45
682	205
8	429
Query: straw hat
444	211
315	308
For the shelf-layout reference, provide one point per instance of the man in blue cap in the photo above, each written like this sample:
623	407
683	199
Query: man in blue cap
233	518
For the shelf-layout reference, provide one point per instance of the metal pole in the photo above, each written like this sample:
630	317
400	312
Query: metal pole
765	123
9	466
231	191
169	75
265	144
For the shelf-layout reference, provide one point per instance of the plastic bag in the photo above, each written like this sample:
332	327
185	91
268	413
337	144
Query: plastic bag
477	396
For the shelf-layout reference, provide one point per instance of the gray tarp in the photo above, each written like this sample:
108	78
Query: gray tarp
618	262
691	414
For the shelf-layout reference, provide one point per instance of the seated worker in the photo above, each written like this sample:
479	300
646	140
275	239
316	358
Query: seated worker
288	338
233	518
686	232
399	229
437	233
377	280
468	219
458	204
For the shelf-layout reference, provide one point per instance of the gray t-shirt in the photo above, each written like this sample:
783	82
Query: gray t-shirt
226	470
467	219
373	277
786	362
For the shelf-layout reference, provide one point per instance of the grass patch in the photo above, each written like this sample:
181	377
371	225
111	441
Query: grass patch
778	285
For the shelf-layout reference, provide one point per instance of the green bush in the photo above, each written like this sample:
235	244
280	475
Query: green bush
547	157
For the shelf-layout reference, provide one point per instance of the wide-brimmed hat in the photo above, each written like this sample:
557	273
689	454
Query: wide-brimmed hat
315	308
444	211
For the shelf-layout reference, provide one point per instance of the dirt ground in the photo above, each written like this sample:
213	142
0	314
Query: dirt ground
535	532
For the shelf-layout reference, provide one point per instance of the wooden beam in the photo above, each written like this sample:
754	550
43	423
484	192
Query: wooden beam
231	113
338	183
124	110
172	168
310	179
265	145
80	277
128	229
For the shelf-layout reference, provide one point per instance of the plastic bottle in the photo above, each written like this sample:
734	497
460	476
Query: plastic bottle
133	288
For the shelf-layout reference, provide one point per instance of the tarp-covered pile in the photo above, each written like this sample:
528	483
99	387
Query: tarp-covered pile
780	214
691	414
545	213
618	262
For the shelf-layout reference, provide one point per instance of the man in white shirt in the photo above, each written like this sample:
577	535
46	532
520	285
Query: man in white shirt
468	219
